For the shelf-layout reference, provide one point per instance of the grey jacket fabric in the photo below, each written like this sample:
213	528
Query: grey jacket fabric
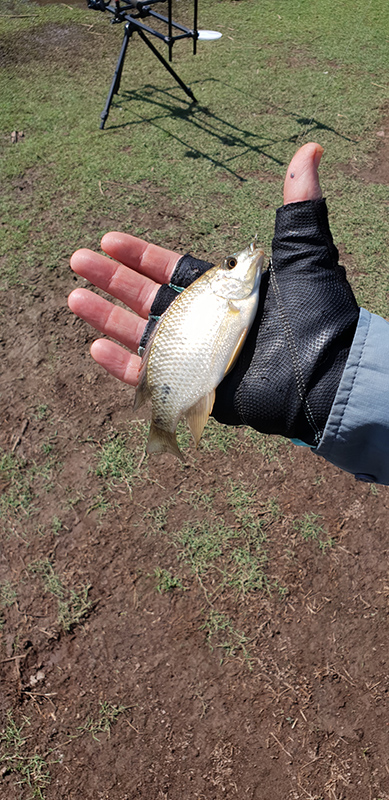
356	436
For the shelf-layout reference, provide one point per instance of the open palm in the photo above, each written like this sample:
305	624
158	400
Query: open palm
138	270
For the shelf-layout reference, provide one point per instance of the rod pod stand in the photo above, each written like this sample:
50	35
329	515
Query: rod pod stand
133	15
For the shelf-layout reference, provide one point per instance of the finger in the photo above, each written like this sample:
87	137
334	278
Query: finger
116	361
302	180
127	285
107	318
149	259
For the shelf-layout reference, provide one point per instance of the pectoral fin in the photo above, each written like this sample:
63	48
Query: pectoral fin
236	352
197	416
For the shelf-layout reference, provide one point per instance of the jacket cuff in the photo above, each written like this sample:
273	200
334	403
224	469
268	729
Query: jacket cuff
356	436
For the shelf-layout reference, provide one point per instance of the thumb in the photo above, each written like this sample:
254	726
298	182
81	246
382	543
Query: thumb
302	180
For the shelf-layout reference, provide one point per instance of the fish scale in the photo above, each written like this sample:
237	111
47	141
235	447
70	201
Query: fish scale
194	344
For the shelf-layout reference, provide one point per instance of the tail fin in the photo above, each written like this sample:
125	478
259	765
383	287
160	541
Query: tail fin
162	442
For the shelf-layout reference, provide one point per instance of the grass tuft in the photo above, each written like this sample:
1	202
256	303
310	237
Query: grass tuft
32	771
73	604
165	581
221	634
310	528
107	716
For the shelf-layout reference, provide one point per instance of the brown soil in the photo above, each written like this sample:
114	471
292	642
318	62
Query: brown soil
130	698
378	168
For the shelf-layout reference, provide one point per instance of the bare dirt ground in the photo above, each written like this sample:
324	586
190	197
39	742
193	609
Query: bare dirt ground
210	690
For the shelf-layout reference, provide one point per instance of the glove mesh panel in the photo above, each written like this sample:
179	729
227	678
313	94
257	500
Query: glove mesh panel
287	376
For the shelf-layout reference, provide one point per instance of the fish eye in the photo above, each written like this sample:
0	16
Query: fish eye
231	262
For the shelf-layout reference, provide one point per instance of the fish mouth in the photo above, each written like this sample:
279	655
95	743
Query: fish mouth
256	254
254	247
254	250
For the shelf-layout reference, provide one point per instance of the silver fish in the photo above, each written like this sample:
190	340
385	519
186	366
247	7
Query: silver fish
195	343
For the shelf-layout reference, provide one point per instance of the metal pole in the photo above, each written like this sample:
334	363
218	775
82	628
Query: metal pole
167	66
118	74
170	30
195	31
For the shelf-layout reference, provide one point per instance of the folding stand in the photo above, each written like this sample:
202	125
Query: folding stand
132	13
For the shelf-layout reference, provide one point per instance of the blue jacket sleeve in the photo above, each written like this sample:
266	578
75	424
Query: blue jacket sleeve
356	436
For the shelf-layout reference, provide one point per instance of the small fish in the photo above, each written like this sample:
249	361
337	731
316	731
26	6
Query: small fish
195	343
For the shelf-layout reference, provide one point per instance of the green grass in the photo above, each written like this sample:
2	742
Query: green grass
197	499
51	581
116	460
120	456
99	504
245	572
273	448
107	716
218	164
56	525
31	770
310	528
218	437
73	604
17	495
243	500
221	634
225	552
8	594
74	608
156	518
25	484
200	544
230	557
165	581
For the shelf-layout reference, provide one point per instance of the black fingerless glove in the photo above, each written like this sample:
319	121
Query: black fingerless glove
289	370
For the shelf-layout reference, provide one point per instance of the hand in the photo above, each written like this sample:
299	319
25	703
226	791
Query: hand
134	278
139	270
286	377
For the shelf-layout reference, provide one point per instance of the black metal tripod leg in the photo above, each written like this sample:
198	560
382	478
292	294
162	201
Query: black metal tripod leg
167	66
117	76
